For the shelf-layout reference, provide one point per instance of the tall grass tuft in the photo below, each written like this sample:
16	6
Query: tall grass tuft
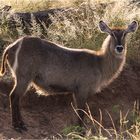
97	131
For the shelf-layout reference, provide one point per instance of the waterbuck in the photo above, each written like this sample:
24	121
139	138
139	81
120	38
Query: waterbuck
52	67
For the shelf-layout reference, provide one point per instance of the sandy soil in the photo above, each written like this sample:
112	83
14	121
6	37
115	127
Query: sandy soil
47	116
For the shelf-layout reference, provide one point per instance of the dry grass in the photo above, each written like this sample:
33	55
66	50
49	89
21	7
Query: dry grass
35	5
97	131
80	27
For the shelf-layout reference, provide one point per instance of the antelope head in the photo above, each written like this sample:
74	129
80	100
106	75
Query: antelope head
118	35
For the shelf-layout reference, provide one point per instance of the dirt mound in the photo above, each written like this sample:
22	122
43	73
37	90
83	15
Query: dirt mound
47	116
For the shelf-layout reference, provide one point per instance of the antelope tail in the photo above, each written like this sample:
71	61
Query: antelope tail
3	63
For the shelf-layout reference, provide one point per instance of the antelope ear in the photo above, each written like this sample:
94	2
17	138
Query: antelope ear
132	27
104	28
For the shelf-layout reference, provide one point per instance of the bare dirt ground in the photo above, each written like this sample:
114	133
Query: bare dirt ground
47	116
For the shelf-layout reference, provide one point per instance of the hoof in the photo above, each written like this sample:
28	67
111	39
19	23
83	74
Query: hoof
20	127
24	128
19	130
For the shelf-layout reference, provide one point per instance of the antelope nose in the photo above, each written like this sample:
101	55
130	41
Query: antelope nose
119	48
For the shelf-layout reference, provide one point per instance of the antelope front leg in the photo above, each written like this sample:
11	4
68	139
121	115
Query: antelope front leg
80	102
